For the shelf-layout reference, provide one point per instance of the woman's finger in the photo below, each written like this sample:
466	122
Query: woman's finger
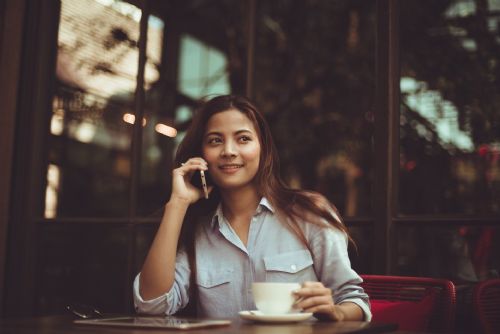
323	308
312	291
189	167
312	284
194	161
309	302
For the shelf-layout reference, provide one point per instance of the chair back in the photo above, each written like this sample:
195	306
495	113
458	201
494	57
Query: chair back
414	289
486	303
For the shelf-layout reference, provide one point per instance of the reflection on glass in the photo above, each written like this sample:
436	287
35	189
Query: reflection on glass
315	81
465	254
96	78
202	69
200	55
449	124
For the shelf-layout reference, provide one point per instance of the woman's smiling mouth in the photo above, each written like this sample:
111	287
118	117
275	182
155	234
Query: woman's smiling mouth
230	168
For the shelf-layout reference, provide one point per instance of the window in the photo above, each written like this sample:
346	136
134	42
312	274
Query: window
450	125
315	79
126	81
449	139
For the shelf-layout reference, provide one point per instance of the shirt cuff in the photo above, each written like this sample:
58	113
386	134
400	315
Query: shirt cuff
365	307
156	305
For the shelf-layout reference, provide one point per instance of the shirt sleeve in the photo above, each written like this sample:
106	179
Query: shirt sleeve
333	267
172	301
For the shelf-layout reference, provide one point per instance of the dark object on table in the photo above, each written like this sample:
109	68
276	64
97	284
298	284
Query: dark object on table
84	311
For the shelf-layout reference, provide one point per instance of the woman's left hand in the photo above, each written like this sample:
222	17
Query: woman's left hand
314	297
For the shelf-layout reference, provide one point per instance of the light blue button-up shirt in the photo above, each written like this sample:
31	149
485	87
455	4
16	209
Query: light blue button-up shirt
226	267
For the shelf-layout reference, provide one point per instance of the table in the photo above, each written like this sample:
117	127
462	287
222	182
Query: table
64	325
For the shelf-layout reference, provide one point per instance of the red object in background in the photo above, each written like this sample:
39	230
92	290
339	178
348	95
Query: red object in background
483	150
411	315
410	165
486	302
413	294
482	251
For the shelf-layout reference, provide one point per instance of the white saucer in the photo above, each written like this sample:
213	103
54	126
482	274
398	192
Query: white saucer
287	317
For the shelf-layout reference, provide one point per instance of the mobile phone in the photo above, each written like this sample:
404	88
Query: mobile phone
204	183
201	179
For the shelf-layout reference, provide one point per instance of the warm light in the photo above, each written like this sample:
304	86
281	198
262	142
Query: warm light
84	132
57	122
166	130
52	191
130	119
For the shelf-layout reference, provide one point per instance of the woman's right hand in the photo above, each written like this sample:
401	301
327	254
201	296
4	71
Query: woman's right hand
182	189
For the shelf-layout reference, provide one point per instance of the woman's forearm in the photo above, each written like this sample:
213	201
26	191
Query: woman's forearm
350	311
158	271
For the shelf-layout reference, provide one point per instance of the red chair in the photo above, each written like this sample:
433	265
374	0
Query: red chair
486	302
414	303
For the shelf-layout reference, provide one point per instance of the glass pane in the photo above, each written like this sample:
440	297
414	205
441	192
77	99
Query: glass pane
82	265
464	254
314	79
197	48
450	97
90	132
144	236
361	251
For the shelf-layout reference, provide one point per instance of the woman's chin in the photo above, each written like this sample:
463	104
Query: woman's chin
233	186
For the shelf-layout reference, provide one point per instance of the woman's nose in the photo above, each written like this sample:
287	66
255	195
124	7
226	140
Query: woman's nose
229	149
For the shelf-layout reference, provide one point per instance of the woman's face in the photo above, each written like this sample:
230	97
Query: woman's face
231	148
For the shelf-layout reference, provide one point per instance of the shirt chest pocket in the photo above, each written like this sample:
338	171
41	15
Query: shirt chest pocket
295	266
214	286
208	278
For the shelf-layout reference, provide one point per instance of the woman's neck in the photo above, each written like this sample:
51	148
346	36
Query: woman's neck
240	203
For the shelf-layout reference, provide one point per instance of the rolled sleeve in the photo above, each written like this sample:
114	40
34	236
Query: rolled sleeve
365	307
333	267
172	301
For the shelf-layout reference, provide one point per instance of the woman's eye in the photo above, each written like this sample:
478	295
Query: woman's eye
214	140
245	139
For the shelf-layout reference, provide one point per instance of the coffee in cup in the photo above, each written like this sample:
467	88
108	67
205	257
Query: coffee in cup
274	297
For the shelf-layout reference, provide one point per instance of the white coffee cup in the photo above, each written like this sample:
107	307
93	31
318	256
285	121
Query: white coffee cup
274	298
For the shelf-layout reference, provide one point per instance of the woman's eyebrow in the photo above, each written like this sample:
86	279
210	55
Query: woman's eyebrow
217	133
243	131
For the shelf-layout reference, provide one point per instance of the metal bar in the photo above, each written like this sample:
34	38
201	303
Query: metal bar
10	60
438	220
34	110
147	220
136	152
386	136
249	89
448	221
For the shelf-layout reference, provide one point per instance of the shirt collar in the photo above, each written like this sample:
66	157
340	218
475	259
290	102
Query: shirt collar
218	215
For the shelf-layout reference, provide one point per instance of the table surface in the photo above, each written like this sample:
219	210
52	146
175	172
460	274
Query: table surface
64	324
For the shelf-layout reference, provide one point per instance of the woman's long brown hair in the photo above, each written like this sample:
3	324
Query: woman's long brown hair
292	205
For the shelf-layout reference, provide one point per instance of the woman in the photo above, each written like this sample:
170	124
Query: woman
252	228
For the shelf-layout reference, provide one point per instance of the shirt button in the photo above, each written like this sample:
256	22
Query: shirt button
293	267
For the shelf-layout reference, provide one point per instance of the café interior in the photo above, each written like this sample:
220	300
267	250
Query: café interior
391	109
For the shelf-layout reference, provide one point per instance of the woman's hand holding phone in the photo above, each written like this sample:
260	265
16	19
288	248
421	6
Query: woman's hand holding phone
182	188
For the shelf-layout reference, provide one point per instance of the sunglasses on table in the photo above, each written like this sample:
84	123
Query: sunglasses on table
84	311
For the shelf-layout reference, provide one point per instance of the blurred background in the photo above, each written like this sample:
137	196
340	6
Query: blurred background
390	109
